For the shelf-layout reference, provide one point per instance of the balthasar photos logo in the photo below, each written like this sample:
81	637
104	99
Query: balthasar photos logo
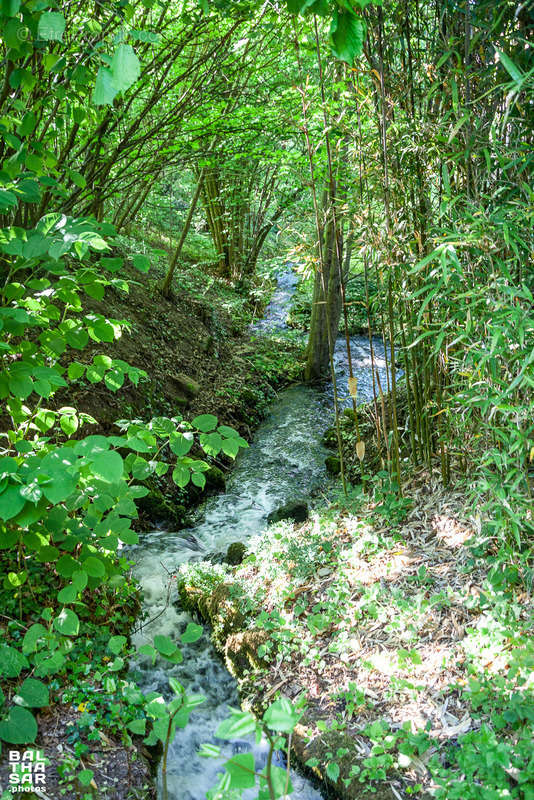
28	770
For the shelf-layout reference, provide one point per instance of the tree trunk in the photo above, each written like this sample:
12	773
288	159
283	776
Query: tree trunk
166	285
326	307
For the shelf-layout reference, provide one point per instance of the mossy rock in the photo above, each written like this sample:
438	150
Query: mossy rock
241	651
215	606
215	478
187	386
333	465
235	553
297	510
321	747
159	508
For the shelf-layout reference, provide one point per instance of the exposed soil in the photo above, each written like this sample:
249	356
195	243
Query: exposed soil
118	772
173	340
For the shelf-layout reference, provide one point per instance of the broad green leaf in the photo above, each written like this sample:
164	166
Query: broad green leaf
85	776
51	26
108	466
67	622
205	422
125	67
347	34
239	725
116	644
192	633
68	594
11	502
32	694
241	769
12	662
332	771
94	567
180	444
281	716
19	727
137	726
141	262
105	88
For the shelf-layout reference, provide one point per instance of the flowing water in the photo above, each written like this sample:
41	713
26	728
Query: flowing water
284	462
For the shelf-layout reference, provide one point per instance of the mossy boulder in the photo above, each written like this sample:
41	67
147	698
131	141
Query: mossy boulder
215	606
215	478
297	510
241	651
186	385
159	508
333	465
235	553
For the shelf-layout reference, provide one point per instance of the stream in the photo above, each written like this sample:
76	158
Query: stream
284	462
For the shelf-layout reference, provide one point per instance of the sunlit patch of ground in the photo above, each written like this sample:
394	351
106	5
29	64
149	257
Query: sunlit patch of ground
377	620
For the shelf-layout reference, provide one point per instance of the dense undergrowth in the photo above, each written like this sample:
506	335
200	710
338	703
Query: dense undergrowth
409	644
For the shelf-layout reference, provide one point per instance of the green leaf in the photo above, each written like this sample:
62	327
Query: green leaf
79	579
85	776
68	594
114	379
281	716
19	727
11	502
241	768
105	89
51	26
69	424
32	636
137	726
205	422
164	644
347	35
180	476
125	67
27	125
62	483
33	694
281	787
141	262
180	444
211	443
67	622
116	644
12	662
198	479
192	633
108	466
239	725
332	771
94	567
230	447
514	72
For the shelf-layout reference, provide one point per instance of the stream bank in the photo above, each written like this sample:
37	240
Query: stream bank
285	464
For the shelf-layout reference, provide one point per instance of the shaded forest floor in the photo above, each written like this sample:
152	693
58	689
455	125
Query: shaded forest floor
411	644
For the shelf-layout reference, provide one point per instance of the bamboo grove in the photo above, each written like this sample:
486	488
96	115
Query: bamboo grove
426	148
393	140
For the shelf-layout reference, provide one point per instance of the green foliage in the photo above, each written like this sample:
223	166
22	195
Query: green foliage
241	771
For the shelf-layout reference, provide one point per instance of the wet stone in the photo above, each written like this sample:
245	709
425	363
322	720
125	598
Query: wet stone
297	510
